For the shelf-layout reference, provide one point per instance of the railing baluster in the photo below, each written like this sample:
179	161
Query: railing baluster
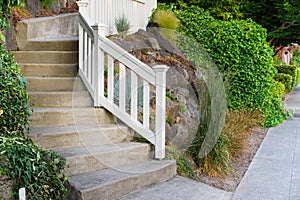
146	104
110	79
85	57
160	111
133	95
89	60
122	87
80	34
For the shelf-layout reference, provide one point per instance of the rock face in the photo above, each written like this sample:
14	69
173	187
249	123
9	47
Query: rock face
183	111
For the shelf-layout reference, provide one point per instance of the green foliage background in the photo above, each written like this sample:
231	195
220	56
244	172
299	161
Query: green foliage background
27	165
242	53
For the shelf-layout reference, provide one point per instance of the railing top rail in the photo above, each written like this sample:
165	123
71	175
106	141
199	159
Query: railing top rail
127	59
83	22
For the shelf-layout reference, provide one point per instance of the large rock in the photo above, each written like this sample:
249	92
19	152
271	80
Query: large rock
183	111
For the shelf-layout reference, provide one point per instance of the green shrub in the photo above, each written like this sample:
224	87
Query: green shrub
14	97
296	58
184	167
165	19
290	70
240	50
298	76
286	79
37	170
279	89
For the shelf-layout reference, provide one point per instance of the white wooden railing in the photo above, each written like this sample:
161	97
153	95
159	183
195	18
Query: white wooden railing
106	11
104	66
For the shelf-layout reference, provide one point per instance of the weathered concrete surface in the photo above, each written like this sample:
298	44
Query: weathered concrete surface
180	188
115	182
275	170
35	29
293	101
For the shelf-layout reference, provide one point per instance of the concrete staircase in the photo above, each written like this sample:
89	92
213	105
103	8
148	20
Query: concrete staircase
103	161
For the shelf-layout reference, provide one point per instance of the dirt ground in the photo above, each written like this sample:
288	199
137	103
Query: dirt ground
239	166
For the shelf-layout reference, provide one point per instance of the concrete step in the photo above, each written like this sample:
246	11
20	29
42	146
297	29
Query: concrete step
69	117
92	158
114	183
49	70
76	136
52	44
61	99
46	57
54	84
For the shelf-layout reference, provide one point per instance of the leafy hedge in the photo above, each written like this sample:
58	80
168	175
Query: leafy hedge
285	79
298	76
287	74
240	50
27	165
14	97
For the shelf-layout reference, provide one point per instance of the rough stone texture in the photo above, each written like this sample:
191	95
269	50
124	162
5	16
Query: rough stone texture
183	111
5	187
33	6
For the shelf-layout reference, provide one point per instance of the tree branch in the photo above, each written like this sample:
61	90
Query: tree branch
284	26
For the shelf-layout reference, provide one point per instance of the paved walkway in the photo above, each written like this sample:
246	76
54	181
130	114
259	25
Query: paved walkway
274	173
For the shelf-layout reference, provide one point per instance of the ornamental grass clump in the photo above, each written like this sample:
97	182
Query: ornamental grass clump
122	25
165	19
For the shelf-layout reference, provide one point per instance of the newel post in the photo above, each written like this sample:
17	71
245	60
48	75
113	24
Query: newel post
82	5
98	63
160	113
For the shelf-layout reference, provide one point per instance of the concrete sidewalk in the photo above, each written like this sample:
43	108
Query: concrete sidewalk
274	173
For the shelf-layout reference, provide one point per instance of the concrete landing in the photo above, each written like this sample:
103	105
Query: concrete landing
180	188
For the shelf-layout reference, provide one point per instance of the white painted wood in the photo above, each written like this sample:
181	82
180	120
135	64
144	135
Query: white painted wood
125	117
127	59
160	110
110	79
106	11
146	104
133	95
122	87
95	47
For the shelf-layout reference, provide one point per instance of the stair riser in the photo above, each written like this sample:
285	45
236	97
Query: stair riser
46	57
51	46
70	118
75	139
99	161
44	70
61	100
54	84
131	184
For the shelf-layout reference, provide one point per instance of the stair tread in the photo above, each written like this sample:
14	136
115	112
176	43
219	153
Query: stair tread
67	129
48	64
45	109
81	151
55	39
45	51
91	180
57	92
52	77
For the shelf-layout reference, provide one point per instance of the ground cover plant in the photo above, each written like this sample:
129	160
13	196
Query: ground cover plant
23	162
